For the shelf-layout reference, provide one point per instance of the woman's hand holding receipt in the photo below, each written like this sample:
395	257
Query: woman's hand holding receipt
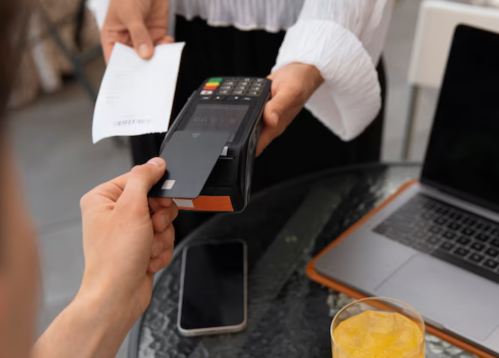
141	24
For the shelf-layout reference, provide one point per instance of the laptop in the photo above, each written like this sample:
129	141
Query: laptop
436	244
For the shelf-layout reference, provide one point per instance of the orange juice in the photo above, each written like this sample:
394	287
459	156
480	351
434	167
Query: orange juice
378	334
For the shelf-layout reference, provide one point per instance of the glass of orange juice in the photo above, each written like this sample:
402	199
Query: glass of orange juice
378	328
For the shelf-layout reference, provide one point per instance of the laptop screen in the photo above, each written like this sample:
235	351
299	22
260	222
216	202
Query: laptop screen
463	151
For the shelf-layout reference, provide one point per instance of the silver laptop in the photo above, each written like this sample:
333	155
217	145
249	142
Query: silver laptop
436	246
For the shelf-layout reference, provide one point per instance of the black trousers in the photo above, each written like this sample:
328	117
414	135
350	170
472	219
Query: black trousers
306	146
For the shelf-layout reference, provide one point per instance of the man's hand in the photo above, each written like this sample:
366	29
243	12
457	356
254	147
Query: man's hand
141	24
126	237
292	86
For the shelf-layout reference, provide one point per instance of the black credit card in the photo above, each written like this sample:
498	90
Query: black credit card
190	158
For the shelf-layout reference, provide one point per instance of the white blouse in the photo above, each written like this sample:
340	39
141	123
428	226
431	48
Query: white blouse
342	38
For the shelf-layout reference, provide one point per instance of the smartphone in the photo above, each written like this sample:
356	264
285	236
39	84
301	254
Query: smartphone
213	288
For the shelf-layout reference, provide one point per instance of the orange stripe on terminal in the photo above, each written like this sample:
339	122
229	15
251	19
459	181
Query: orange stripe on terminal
209	203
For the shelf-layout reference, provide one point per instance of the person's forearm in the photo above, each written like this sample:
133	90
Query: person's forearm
88	328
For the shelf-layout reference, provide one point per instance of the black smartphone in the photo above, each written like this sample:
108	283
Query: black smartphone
213	288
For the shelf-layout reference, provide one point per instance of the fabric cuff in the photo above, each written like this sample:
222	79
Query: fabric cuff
350	97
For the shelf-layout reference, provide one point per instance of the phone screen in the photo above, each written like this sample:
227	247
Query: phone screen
213	286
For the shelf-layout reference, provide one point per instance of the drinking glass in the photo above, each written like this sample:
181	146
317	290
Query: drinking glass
378	327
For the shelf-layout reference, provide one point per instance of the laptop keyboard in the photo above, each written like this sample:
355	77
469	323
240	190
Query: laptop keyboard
448	233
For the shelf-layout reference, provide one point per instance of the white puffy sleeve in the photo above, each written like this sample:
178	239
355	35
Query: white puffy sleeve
344	40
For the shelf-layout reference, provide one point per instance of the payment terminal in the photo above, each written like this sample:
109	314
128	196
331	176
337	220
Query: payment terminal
210	148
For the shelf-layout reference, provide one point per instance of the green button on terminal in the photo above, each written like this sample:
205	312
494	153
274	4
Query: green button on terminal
216	79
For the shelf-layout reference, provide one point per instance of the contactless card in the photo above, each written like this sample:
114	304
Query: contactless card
190	158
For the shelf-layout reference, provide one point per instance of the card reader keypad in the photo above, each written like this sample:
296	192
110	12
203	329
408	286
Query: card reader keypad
238	87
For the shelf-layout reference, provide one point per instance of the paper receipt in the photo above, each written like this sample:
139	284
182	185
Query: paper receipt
136	95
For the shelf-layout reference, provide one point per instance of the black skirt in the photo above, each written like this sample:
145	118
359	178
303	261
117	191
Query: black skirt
306	146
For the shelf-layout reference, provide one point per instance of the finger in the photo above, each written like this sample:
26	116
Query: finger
109	38
110	191
107	48
163	203
162	218
157	204
107	41
141	38
267	135
284	97
160	262
163	241
140	181
165	257
165	40
114	188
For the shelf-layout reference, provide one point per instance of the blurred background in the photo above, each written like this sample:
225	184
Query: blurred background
51	118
